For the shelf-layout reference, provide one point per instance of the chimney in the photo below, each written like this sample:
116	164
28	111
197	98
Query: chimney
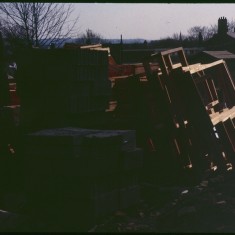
222	26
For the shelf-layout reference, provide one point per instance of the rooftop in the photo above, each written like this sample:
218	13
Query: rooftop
221	54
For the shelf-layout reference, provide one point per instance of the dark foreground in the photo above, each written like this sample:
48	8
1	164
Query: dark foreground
206	207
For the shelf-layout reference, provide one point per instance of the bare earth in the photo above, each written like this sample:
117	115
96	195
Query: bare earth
207	207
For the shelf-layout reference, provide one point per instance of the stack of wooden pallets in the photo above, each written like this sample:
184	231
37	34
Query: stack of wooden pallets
56	84
198	102
87	174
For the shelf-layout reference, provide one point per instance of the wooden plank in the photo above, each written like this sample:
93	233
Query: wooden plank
232	117
225	141
168	61
175	66
205	66
229	127
163	65
171	51
221	116
212	88
91	46
191	67
212	104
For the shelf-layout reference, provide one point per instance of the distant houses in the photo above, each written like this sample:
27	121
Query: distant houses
223	40
135	50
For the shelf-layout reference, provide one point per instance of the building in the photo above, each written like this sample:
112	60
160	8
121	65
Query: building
223	39
206	57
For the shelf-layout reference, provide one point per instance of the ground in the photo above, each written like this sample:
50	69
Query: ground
206	207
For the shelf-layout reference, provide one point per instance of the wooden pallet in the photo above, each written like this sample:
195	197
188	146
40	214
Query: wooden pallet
194	98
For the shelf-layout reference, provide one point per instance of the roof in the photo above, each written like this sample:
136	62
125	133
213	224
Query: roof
231	34
221	54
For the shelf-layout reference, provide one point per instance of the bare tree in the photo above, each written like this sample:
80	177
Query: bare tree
231	26
210	31
90	37
205	32
178	36
37	23
194	32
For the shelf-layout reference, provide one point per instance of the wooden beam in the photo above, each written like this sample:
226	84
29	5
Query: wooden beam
91	46
221	116
205	66
230	130
171	51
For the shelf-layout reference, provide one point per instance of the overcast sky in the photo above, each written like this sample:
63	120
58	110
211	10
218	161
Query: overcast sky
148	20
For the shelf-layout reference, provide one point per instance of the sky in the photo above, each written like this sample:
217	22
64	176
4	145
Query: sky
150	21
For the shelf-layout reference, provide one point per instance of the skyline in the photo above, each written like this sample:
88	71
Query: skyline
150	21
